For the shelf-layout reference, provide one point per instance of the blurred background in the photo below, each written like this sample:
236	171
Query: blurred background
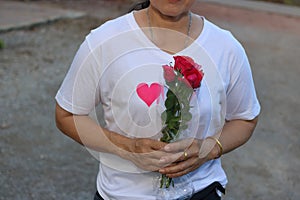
287	2
38	40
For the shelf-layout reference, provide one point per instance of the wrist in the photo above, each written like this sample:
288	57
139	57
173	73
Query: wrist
123	145
217	150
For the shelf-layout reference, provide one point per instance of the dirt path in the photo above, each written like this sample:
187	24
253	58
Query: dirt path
38	162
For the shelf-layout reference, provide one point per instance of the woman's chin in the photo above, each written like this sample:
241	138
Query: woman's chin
174	1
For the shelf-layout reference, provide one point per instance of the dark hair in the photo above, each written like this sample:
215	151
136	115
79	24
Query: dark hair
140	5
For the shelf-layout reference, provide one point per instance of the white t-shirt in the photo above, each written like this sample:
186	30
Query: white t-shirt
118	67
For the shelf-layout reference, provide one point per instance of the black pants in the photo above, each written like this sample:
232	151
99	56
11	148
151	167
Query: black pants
208	193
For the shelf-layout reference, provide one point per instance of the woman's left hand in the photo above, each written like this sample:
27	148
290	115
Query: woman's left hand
186	156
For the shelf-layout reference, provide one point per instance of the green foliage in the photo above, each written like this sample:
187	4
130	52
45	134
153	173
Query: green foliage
166	181
2	45
177	113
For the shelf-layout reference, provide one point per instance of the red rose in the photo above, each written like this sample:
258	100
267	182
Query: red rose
194	76
181	80
169	73
183	63
189	69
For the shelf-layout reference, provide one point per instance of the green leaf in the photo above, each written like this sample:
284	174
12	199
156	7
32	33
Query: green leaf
170	115
170	93
187	116
164	116
175	119
183	127
170	102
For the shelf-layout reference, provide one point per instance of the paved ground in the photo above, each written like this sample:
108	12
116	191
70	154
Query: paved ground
37	162
16	15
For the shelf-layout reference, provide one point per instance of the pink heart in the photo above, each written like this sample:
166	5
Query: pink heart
149	94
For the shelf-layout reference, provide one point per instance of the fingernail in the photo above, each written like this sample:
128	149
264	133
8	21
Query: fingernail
162	160
167	148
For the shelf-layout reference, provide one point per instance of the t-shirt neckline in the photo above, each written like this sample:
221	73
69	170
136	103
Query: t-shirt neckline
133	23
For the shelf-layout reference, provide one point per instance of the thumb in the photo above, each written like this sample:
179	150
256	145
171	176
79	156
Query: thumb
158	145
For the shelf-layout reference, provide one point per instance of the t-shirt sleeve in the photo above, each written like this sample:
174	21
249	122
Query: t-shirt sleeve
79	92
241	101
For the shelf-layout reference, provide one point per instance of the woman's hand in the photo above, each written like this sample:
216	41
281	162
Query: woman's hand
187	155
146	153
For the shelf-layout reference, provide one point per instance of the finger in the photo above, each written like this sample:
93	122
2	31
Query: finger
178	167
154	155
158	145
178	146
148	163
153	166
143	145
170	158
176	157
181	167
181	173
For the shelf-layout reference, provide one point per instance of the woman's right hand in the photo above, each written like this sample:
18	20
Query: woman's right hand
143	152
146	153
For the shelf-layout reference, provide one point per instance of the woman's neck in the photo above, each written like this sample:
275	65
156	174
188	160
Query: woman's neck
178	23
171	34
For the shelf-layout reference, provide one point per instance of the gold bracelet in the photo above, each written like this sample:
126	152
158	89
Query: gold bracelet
219	144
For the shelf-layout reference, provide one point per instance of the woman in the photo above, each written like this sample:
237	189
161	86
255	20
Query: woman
122	57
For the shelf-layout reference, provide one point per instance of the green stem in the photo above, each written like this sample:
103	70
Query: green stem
165	181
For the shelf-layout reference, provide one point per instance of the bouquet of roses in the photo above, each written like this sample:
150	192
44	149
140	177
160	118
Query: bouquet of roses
181	80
